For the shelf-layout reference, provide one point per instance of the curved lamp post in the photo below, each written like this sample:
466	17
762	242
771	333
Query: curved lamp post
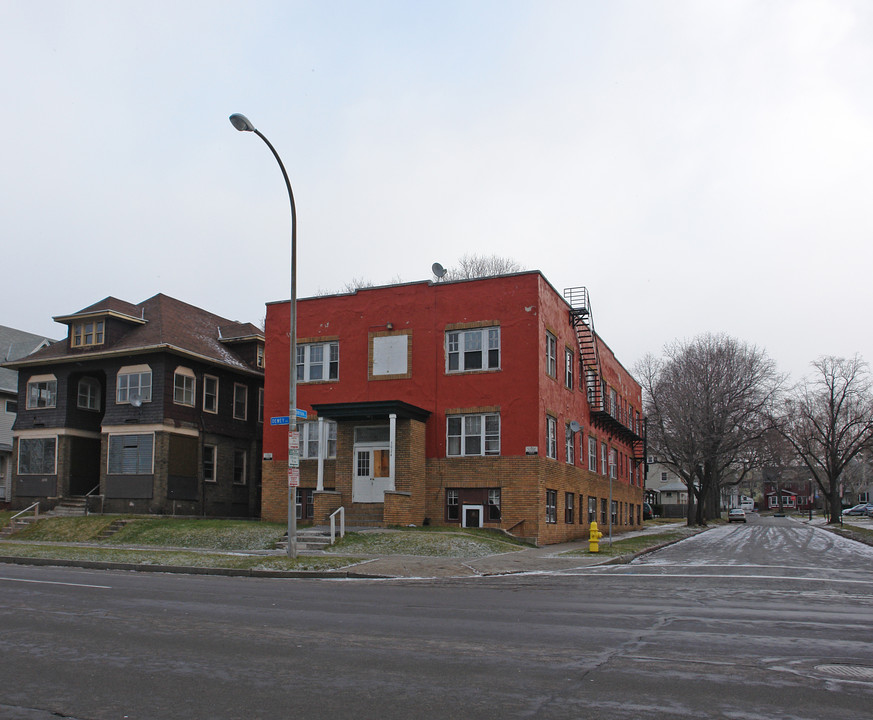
243	124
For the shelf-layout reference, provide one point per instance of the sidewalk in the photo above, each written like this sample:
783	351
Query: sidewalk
550	558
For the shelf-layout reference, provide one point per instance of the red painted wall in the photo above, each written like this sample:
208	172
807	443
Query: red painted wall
525	305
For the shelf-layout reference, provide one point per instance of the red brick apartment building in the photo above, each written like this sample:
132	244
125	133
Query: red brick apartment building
483	403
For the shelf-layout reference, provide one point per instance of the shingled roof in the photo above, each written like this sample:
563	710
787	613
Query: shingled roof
160	323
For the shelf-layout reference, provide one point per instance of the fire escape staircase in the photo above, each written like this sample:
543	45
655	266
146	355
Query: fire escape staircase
602	416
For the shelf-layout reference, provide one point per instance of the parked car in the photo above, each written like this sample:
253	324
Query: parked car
647	511
736	515
862	509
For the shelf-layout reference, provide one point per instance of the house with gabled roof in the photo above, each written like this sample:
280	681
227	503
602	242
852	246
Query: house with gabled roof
14	344
154	407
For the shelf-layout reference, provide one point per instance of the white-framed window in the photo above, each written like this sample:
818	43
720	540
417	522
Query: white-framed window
42	392
87	333
613	463
210	462
551	506
240	401
239	466
592	454
318	362
88	394
131	454
569	360
551	437
453	508
551	355
134	383
475	434
494	504
569	444
569	508
592	508
184	385
604	458
260	359
37	456
210	394
309	439
476	349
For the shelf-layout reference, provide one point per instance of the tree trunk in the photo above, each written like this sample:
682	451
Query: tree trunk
836	505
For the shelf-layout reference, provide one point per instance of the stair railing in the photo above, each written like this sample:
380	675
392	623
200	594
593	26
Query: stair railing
89	494
34	507
341	511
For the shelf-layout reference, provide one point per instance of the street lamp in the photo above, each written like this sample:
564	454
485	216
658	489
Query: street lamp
243	124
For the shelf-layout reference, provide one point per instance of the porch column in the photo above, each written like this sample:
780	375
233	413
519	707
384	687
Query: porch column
392	424
319	484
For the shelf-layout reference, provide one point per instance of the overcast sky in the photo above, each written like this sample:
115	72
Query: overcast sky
699	166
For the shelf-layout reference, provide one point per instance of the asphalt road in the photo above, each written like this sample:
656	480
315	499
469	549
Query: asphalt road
772	619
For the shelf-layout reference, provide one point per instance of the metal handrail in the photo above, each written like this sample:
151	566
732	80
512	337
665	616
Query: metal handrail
342	513
88	494
27	509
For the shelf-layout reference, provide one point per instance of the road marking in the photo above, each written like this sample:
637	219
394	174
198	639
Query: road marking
737	576
53	582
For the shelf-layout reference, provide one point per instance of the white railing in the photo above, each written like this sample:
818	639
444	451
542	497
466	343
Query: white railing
341	511
34	507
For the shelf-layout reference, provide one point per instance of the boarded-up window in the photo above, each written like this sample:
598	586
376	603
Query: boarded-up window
131	454
390	355
183	456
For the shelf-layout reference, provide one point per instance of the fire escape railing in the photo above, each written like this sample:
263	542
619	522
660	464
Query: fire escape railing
604	411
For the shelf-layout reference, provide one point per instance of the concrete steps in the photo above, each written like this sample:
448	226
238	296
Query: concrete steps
68	507
16	525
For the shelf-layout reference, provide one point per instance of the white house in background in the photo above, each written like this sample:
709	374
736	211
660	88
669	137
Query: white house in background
665	488
14	345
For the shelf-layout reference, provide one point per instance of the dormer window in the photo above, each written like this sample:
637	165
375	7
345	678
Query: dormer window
89	333
260	359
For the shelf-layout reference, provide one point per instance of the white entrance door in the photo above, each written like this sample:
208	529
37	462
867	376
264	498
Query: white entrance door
472	516
372	474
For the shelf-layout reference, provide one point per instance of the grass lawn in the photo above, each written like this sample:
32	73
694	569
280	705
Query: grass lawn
429	541
626	546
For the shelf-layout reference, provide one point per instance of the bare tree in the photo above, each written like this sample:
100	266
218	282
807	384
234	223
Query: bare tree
477	266
706	402
828	419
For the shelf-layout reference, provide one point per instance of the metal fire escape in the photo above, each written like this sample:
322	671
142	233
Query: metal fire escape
604	414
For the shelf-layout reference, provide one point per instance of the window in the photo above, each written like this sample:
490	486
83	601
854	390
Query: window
592	509
239	467
36	456
551	355
260	405
88	333
494	505
42	392
130	454
477	349
603	458
569	510
318	361
613	460
473	434
390	355
134	384
12	406
592	454
259	360
210	394
183	386
453	511
88	395
304	500
210	456
240	401
568	368
551	506
615	512
603	511
309	439
569	443
551	437
613	403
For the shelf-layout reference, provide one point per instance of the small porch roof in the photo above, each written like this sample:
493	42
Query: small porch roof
371	410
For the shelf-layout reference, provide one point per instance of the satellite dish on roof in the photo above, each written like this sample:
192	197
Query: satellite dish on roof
575	427
438	270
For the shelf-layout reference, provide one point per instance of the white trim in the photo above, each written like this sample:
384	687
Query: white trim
132	429
41	378
46	432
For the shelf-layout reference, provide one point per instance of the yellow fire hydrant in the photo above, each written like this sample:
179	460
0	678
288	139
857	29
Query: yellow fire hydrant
594	538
